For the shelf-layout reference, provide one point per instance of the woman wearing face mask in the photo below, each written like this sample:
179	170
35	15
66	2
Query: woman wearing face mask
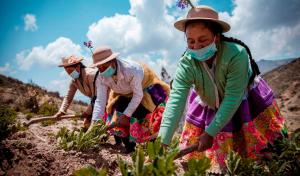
82	80
231	108
137	97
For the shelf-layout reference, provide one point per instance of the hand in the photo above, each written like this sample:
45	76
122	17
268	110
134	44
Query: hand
86	120
84	115
59	114
205	142
123	121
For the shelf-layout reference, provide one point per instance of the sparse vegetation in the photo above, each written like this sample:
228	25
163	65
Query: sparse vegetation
48	109
90	171
47	123
283	159
157	160
29	115
81	141
7	119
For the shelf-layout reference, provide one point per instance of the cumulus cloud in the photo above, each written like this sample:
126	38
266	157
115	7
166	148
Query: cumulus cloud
270	29
49	55
30	22
145	34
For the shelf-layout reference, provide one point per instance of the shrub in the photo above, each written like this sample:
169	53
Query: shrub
283	159
29	115
48	109
7	119
32	104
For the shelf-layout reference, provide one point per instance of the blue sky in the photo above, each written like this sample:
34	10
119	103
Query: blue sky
36	33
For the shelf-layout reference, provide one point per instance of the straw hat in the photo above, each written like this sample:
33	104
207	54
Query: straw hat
202	13
102	55
70	60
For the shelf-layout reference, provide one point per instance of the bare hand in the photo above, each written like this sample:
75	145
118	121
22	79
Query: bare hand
59	114
205	142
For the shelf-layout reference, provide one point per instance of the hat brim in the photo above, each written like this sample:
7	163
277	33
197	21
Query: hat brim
180	24
70	64
111	57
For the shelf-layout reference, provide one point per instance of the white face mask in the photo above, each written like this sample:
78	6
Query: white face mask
203	54
74	74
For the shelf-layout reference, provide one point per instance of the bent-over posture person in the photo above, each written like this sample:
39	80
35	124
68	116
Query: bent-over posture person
137	97
83	80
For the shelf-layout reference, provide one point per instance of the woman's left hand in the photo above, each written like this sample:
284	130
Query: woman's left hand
205	142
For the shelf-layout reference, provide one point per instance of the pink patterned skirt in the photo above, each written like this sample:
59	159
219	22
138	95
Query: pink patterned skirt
256	123
143	125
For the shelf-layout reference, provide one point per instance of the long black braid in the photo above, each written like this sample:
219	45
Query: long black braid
254	65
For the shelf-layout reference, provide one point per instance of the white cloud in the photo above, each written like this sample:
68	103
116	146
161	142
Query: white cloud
59	85
30	22
48	56
5	68
270	29
145	34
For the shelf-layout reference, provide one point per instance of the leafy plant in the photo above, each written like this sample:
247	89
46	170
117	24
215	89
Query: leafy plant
285	155
282	158
48	109
7	119
198	167
81	141
157	160
90	171
236	165
29	115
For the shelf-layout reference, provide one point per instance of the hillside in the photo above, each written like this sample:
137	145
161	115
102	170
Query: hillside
285	82
29	97
268	65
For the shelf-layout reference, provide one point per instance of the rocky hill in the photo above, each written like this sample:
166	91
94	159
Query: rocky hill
30	97
285	82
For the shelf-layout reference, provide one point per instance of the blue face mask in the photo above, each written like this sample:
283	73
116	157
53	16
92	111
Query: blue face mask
203	54
74	74
108	72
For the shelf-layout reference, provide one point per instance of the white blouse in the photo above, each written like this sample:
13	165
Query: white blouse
128	80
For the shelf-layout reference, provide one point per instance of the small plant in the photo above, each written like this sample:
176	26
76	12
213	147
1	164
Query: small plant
90	171
198	167
47	123
81	141
29	115
157	160
48	109
282	159
7	119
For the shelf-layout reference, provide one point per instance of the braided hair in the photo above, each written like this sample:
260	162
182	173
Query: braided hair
253	64
217	29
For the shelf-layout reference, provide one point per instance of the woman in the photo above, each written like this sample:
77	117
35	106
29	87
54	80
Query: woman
137	97
231	108
82	80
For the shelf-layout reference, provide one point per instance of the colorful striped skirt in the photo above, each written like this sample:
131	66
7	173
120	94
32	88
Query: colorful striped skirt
256	123
143	125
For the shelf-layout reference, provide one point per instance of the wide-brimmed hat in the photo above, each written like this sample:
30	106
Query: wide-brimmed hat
102	55
70	60
202	13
